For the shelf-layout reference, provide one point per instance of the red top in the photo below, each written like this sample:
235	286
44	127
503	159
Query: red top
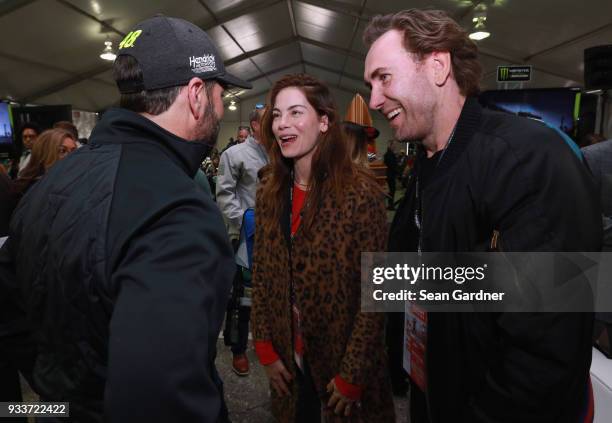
264	349
265	352
299	196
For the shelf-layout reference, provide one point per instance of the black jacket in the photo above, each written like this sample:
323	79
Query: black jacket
390	160
516	176
123	268
7	203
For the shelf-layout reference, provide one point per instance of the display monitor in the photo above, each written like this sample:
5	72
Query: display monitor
43	116
6	124
558	107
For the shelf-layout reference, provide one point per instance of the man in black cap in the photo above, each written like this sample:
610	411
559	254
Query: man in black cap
123	277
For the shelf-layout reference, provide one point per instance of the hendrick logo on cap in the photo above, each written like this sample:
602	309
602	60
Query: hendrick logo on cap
202	64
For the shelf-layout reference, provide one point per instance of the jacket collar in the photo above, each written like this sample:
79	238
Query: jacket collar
466	126
251	141
259	148
121	126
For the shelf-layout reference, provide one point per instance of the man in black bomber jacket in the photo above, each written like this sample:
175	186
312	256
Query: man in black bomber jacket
119	264
480	172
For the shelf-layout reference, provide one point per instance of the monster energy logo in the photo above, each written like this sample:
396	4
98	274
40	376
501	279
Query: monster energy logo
513	73
503	74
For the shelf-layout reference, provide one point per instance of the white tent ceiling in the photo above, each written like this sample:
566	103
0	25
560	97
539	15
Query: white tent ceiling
50	48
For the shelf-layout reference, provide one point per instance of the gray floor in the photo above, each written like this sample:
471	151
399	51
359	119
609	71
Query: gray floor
248	398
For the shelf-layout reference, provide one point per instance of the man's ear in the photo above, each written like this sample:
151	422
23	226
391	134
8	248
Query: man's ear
323	123
442	66
197	98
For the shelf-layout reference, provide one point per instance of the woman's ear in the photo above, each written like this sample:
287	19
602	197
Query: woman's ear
323	124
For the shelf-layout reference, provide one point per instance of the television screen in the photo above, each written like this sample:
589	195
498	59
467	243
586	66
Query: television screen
558	107
6	128
43	116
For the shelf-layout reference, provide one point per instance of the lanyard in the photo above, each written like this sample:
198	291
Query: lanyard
291	236
418	210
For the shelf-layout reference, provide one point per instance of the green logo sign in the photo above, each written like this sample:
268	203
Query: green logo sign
129	39
503	74
513	73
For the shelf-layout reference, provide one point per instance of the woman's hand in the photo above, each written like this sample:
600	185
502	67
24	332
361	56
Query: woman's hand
342	405
280	378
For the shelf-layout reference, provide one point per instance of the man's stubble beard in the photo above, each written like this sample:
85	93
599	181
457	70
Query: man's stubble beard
424	122
422	105
211	126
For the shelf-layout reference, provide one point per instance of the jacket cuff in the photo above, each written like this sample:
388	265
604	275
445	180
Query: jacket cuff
265	352
350	391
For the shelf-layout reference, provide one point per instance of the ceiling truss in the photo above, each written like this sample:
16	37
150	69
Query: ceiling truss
359	13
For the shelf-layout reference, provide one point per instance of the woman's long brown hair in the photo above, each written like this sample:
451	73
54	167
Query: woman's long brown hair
332	168
45	152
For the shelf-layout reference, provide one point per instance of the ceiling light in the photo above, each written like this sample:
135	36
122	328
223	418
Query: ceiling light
232	106
108	53
479	32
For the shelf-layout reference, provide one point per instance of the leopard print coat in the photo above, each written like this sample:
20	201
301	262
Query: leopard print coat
339	339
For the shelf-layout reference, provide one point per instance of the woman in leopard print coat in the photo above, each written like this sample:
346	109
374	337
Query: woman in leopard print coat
316	212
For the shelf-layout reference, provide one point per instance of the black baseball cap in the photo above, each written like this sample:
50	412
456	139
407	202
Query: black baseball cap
171	51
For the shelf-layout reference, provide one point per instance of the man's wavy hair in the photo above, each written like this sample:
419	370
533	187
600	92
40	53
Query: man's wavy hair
428	31
332	168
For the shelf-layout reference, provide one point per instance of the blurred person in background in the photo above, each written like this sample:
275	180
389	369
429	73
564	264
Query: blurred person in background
17	355
393	170
357	137
13	358
70	127
242	135
209	166
28	133
592	139
7	203
52	145
236	186
599	159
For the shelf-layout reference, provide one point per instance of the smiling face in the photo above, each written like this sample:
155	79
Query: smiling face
296	124
401	87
